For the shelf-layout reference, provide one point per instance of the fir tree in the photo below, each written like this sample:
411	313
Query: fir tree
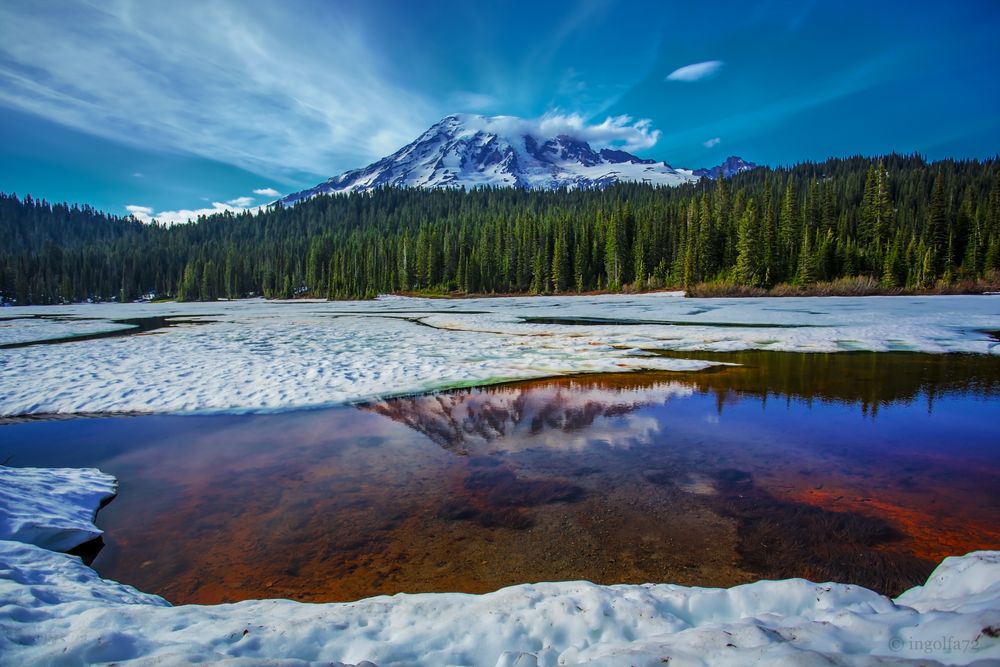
749	260
936	234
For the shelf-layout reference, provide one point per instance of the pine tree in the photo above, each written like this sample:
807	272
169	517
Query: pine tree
692	235
806	273
749	259
768	234
581	259
884	209
639	257
560	264
789	234
936	234
613	253
708	264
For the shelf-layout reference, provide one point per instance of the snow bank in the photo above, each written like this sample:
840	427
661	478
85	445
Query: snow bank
959	584
257	355
55	610
53	508
26	329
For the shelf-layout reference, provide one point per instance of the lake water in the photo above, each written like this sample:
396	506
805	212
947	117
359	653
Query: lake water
859	467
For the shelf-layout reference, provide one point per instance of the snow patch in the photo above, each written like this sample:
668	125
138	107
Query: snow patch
258	355
54	609
22	330
52	508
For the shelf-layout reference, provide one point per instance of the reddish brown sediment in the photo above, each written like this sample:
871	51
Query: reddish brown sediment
934	528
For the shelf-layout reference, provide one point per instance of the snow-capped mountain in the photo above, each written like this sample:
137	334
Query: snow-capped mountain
471	150
732	166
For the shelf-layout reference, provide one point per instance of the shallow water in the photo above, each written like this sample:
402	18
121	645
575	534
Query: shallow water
858	467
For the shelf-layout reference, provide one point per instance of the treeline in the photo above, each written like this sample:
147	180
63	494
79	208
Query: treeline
896	219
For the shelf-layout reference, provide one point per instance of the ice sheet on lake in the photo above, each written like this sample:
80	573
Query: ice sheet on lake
257	355
53	508
25	329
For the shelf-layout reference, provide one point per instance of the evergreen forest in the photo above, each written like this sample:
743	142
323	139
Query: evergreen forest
896	221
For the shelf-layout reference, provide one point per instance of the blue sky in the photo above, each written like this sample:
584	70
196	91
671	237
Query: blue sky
182	106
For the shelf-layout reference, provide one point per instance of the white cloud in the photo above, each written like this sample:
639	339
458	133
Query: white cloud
696	71
714	141
266	192
147	213
617	131
614	131
139	212
307	103
241	202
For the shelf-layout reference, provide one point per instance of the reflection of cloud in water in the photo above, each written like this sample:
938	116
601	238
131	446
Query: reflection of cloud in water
622	432
513	418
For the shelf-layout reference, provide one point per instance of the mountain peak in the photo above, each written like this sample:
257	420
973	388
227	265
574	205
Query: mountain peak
471	150
730	167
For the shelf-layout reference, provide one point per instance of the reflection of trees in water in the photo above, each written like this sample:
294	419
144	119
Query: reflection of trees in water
564	412
868	379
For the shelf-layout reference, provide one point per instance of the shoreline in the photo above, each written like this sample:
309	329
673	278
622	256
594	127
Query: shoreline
838	288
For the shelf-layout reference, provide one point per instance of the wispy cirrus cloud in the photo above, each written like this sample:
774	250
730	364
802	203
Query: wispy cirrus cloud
262	90
711	143
269	93
696	71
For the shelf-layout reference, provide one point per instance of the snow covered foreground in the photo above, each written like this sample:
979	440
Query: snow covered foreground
55	610
257	355
52	508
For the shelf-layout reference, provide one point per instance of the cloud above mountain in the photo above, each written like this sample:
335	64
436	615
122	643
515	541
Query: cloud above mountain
620	131
614	131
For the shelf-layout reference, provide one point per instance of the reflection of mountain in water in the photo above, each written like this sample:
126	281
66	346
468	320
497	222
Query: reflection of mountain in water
558	413
569	413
